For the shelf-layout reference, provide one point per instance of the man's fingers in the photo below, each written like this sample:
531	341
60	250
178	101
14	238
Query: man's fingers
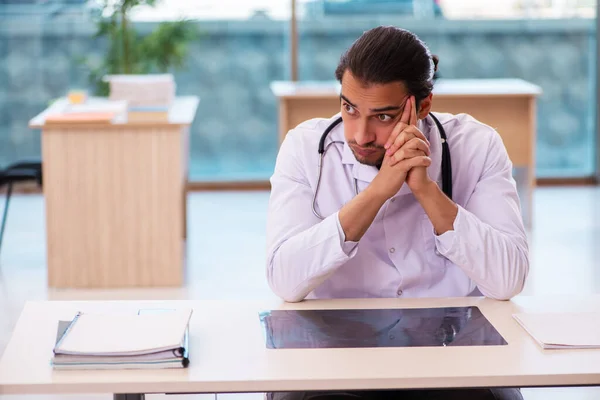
405	153
406	112
400	126
416	143
413	148
422	161
407	134
409	139
402	123
413	111
417	133
402	138
408	118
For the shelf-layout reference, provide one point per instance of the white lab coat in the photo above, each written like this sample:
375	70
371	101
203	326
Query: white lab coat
399	255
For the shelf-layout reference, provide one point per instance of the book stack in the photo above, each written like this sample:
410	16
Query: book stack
149	97
150	339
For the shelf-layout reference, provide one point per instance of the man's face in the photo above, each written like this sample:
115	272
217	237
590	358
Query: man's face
370	114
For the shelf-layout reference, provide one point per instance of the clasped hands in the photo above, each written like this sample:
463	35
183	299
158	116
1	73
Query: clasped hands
407	156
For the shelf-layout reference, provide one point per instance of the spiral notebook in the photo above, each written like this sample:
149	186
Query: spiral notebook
150	339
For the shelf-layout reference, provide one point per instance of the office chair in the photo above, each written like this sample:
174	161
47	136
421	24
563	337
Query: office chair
22	171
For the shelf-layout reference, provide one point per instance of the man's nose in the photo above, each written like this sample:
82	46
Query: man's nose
362	135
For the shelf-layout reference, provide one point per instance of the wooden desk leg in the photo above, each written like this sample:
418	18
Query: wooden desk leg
130	396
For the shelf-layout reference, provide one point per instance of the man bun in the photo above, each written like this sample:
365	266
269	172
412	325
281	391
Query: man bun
436	60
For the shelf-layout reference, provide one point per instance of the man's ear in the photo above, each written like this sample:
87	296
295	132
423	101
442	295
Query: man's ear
425	106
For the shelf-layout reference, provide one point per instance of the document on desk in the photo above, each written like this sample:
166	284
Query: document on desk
562	330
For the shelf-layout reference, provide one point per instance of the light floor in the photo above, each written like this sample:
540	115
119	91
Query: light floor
226	253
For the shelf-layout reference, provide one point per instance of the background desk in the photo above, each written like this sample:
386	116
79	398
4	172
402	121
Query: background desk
508	105
228	353
115	199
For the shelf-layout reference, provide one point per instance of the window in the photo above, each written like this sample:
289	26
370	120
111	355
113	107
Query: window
548	43
245	45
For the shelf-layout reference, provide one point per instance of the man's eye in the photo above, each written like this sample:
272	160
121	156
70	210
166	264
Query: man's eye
384	117
348	108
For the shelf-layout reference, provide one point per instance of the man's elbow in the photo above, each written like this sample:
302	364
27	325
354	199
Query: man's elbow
514	283
291	297
504	294
281	286
285	293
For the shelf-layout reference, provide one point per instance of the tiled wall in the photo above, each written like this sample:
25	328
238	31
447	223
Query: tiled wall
231	66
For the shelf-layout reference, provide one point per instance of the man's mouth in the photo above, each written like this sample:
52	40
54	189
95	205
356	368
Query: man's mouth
365	152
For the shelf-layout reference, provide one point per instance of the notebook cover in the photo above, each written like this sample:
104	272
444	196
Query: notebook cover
122	342
183	352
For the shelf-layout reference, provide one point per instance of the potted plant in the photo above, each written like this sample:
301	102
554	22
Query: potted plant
128	51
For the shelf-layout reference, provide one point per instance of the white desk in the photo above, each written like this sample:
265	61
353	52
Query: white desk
228	354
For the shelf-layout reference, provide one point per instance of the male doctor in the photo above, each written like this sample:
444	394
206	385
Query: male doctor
381	225
401	236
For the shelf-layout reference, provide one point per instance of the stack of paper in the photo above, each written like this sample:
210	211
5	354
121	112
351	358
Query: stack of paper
148	339
149	96
562	330
152	90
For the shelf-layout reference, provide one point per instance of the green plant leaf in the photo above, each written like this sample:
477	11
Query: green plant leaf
128	52
167	45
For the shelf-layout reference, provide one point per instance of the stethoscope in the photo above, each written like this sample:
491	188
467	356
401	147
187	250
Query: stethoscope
446	164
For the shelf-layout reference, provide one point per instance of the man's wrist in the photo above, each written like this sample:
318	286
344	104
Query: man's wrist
441	210
376	195
430	188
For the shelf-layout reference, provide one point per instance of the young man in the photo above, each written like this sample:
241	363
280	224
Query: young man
376	216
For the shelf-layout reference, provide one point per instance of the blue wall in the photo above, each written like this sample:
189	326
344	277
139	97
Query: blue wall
230	68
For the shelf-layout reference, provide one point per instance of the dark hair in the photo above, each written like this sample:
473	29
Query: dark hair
388	54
